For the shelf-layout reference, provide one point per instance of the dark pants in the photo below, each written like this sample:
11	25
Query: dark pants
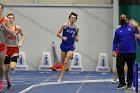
129	58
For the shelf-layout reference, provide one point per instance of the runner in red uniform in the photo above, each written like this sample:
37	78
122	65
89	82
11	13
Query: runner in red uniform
4	28
13	44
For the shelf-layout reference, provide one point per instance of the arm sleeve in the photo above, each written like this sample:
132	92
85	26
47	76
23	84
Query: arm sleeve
115	42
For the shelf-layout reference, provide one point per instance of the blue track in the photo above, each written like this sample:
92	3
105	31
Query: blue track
24	79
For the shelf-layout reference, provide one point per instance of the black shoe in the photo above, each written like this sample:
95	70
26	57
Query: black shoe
121	86
8	86
129	86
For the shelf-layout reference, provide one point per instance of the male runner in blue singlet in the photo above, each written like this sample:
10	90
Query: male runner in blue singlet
69	34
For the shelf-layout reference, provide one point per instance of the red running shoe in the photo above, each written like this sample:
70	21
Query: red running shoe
57	67
1	86
53	68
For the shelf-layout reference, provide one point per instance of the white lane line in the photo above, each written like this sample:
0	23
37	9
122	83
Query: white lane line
37	85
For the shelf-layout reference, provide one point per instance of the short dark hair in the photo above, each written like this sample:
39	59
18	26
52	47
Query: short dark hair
11	15
1	5
125	15
72	13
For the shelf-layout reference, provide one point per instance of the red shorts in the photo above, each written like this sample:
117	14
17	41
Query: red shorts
2	47
12	50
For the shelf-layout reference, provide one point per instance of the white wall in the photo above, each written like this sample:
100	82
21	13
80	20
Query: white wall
40	25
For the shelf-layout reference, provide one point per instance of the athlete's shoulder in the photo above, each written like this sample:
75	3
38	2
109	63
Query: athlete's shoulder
118	26
18	28
64	25
77	27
